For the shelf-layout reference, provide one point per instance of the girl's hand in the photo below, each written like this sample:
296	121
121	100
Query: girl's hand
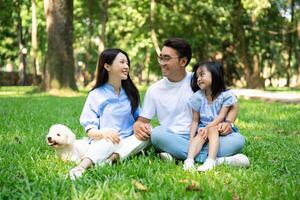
111	135
203	133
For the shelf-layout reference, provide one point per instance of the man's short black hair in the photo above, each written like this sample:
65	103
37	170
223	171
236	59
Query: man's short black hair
182	47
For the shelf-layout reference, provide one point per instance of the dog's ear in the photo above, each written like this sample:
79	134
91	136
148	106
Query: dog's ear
71	138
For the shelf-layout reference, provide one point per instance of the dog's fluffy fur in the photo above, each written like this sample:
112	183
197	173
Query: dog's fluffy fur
63	140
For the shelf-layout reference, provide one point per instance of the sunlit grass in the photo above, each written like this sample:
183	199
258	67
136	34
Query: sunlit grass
283	89
29	169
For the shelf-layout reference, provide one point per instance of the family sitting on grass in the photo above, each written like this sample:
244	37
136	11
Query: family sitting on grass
195	112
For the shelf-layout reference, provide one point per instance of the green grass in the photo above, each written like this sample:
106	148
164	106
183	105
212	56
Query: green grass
283	89
29	169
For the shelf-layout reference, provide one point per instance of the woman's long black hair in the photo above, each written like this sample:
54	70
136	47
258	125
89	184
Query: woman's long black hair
217	75
108	56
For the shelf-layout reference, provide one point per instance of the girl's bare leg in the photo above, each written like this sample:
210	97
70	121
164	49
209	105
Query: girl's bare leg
213	146
195	147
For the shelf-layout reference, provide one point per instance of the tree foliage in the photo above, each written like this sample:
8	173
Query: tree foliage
257	40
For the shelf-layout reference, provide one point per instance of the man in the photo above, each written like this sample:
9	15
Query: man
168	99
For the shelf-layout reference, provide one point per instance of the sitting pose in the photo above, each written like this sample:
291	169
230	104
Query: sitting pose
210	104
168	99
109	113
63	140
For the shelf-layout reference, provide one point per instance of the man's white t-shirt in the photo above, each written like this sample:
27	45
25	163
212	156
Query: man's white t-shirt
169	101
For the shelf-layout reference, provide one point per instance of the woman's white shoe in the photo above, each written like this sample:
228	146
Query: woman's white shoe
76	172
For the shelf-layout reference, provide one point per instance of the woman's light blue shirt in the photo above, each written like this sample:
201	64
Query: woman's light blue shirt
209	111
104	110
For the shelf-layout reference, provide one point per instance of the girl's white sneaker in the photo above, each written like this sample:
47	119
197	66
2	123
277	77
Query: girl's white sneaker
207	165
189	165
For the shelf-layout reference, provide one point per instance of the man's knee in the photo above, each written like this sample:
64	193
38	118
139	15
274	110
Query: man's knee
231	144
156	134
239	142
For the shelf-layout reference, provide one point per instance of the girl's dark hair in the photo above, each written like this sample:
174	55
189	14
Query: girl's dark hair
108	56
217	75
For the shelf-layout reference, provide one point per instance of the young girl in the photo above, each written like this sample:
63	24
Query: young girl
109	113
210	105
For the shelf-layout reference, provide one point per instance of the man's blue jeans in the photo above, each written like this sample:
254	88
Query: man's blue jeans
164	140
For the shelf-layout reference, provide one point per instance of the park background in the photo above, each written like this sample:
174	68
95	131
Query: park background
55	44
48	55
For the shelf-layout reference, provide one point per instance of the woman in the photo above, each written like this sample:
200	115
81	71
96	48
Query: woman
109	113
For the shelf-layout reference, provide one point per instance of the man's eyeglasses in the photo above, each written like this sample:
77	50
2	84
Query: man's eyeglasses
161	59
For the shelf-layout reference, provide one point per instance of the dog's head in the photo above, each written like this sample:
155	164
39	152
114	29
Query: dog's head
59	135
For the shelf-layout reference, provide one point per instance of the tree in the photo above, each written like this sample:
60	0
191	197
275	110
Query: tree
103	19
22	48
152	28
298	52
34	41
8	33
60	61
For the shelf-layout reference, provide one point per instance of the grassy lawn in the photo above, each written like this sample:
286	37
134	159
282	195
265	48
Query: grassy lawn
29	169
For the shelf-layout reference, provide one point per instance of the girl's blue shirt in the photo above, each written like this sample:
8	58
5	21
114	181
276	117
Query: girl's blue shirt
105	110
209	111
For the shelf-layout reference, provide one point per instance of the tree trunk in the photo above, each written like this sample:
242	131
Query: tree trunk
290	46
257	81
239	34
288	66
103	19
60	60
147	65
84	67
34	41
22	50
298	52
152	29
297	43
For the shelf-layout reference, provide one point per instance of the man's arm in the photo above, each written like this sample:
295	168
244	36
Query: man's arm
224	128
233	113
194	124
142	128
220	118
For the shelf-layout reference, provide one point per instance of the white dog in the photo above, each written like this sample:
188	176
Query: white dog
64	141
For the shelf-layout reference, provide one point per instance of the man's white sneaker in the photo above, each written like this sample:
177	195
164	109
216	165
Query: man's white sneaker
76	172
166	156
207	165
189	165
238	160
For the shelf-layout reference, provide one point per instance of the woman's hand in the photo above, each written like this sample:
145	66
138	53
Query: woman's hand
111	135
142	130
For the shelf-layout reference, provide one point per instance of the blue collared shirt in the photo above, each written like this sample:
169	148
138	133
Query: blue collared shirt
209	111
104	109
